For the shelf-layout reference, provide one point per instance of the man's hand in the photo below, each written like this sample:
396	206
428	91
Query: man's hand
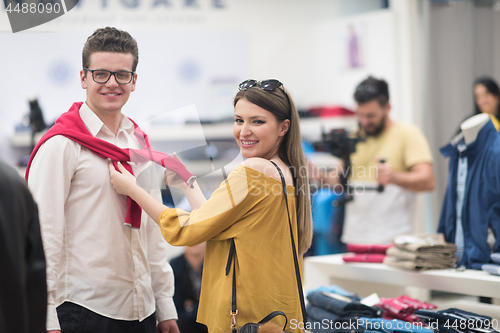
384	173
167	326
419	178
54	331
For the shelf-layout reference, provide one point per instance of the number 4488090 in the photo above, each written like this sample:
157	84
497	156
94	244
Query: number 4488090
34	8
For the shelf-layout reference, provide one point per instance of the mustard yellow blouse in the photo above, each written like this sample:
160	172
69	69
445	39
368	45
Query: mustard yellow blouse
250	208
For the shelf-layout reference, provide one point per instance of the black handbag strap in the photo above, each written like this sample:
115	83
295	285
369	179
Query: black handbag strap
272	315
232	258
295	259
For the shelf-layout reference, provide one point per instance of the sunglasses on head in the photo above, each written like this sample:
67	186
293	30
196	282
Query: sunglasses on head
268	85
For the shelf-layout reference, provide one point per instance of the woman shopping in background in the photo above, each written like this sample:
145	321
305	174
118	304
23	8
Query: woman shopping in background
250	208
487	99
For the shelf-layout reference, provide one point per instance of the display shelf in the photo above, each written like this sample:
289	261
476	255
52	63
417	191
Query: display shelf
322	270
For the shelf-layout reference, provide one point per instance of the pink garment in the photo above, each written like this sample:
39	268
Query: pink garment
70	125
370	248
364	257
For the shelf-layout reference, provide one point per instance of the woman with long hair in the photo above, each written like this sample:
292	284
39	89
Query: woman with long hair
487	99
249	207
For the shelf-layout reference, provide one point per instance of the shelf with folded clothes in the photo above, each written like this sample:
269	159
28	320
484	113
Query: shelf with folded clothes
334	309
412	252
321	270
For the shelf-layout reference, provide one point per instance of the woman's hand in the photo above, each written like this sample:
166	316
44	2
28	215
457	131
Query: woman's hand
172	179
123	181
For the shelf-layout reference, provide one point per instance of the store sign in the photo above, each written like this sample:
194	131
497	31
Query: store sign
26	14
154	4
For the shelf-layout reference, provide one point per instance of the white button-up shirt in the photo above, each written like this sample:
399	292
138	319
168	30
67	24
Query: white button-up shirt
93	258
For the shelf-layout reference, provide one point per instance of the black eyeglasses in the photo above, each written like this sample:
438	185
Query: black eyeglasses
103	76
268	85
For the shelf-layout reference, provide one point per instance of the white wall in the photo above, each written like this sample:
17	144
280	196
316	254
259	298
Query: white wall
334	82
185	49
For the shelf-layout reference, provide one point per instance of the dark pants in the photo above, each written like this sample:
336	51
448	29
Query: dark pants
74	318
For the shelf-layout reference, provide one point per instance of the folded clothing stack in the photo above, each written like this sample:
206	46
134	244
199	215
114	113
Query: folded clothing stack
335	306
493	268
366	253
457	321
420	252
403	308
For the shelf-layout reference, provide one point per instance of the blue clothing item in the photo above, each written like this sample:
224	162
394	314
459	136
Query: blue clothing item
495	257
323	213
319	314
336	290
307	147
391	326
461	181
492	269
323	210
481	204
341	305
451	320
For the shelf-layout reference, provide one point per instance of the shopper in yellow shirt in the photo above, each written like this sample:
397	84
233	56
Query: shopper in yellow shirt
248	207
487	99
374	217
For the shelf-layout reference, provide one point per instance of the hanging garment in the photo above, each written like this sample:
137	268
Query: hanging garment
481	204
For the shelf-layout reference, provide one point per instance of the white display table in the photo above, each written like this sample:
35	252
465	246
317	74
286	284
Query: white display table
322	270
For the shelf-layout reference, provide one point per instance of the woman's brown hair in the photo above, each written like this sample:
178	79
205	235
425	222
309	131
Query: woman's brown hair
279	103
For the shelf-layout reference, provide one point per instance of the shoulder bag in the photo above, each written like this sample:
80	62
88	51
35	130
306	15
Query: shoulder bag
254	327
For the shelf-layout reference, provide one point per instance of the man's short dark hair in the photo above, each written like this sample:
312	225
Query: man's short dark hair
370	89
110	39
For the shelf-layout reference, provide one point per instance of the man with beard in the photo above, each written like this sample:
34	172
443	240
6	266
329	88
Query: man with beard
376	217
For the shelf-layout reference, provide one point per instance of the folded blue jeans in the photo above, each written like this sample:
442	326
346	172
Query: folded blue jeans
349	306
450	320
495	257
336	290
491	268
319	314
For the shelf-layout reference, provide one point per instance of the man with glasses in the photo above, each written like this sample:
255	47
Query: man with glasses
395	155
103	275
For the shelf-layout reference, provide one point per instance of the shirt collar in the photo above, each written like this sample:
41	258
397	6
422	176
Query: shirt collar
95	125
482	138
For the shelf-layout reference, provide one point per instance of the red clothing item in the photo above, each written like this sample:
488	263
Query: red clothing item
71	126
371	248
403	308
365	257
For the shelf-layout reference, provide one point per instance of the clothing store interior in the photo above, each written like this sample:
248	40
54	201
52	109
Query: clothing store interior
398	107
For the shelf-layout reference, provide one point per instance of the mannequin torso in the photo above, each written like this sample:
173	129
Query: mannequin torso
471	127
